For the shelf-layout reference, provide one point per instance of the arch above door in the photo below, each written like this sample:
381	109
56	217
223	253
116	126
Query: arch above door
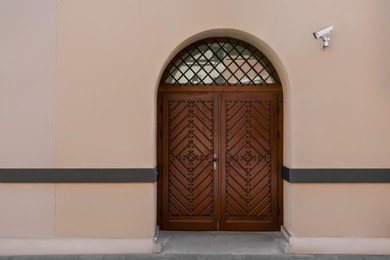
220	61
219	151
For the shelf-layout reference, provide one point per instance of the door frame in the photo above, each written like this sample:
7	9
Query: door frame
165	89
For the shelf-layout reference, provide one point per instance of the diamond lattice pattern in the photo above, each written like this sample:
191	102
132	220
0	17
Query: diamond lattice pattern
220	61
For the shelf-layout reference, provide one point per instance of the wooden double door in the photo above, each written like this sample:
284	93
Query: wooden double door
218	161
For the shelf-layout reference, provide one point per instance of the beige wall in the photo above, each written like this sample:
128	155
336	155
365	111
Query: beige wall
336	101
105	88
27	140
78	89
106	210
27	83
78	210
340	210
110	58
341	105
27	210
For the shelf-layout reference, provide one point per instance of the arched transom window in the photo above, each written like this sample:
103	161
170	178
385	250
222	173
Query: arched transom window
220	61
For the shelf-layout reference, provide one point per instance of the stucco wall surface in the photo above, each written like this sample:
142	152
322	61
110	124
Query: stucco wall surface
106	210
78	84
110	58
340	210
112	53
27	210
28	48
27	83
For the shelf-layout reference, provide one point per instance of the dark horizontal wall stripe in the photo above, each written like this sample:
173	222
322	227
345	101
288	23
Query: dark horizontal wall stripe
54	175
336	175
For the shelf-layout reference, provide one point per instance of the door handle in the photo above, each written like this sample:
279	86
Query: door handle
215	160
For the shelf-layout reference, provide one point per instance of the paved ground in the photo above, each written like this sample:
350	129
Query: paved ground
201	257
231	243
212	246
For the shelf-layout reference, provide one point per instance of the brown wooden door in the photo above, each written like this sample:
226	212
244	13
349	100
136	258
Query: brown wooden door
249	162
219	161
190	192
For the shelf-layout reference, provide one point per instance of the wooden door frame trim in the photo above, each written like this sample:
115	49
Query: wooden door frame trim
219	89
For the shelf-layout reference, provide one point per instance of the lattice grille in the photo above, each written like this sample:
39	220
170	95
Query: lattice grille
220	61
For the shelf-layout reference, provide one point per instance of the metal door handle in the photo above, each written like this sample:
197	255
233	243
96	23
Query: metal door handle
215	160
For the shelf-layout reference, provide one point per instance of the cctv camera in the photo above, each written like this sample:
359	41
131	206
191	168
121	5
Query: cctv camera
323	32
324	35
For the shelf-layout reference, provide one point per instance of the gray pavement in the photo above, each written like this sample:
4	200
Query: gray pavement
213	246
199	257
202	257
228	243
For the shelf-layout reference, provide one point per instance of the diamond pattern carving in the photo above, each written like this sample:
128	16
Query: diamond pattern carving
190	149
248	157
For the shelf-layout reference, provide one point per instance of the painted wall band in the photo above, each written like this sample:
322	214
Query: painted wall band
51	175
336	175
47	175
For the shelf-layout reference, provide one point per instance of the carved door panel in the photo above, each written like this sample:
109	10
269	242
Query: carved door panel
219	161
249	166
190	196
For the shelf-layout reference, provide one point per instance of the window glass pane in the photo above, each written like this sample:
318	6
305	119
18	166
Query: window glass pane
220	61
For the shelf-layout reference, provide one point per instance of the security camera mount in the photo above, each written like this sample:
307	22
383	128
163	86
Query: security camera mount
324	34
325	42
